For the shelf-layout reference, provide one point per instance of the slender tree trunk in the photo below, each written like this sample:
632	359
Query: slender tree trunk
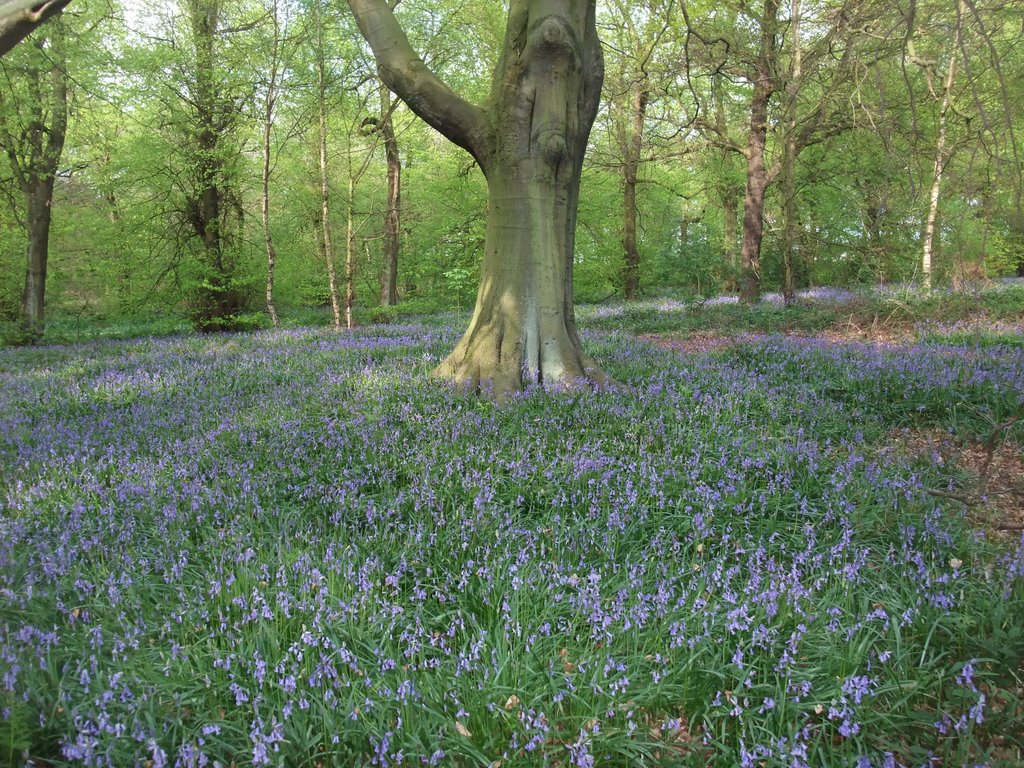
790	224
1020	257
268	123
630	169
325	221
727	188
325	186
631	270
392	214
928	250
809	244
757	174
124	272
39	201
350	250
730	225
684	227
876	247
217	298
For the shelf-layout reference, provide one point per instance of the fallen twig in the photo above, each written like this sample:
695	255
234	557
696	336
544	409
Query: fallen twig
968	500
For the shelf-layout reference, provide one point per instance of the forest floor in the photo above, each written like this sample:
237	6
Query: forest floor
991	485
778	544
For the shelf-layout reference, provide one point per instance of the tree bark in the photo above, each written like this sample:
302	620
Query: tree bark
529	140
730	226
268	124
790	223
729	191
630	168
218	300
928	248
757	175
39	201
392	213
684	227
34	155
350	250
325	222
876	246
325	185
19	18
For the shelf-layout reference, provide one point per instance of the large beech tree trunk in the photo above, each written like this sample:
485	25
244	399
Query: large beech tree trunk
529	140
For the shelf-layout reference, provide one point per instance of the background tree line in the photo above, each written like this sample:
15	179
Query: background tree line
238	160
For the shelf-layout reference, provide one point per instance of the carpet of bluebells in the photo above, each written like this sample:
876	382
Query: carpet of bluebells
294	548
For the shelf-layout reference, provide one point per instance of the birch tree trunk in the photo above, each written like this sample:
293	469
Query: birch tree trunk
928	248
529	139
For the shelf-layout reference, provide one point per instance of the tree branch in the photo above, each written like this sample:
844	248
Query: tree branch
427	95
18	18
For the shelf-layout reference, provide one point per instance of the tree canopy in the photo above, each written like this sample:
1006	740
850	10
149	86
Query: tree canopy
764	146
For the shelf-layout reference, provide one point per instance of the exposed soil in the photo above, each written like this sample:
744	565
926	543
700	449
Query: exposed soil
992	487
883	334
692	343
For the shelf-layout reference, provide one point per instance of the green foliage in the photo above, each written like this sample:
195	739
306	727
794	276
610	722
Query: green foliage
124	241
